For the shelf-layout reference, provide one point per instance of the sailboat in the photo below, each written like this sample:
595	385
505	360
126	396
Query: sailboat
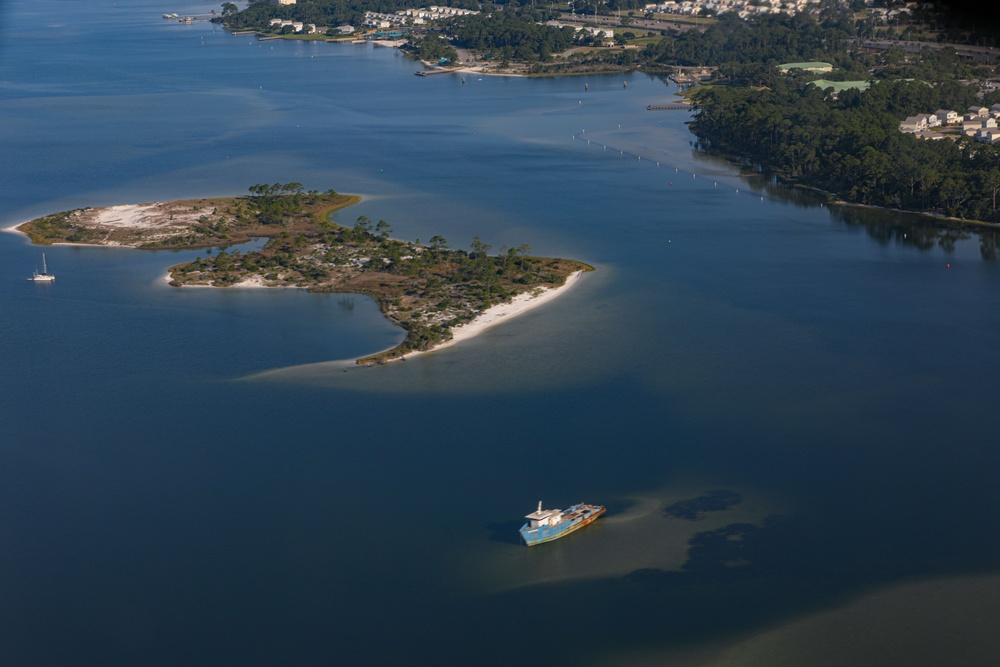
44	276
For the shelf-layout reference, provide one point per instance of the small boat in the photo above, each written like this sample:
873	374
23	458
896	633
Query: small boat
548	525
44	276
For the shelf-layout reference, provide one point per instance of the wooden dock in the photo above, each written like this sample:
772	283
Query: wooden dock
668	107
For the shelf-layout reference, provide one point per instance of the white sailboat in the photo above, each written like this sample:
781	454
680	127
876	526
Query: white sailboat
44	276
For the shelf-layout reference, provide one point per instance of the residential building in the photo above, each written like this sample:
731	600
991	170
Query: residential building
946	116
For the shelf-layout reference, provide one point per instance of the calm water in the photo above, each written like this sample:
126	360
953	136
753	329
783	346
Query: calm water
184	479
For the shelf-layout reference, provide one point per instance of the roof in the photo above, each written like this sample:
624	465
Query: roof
812	65
839	86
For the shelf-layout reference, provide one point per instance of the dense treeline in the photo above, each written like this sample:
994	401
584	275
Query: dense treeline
773	38
432	47
852	146
319	12
510	35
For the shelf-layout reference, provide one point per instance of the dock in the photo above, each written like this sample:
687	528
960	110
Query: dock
428	72
668	107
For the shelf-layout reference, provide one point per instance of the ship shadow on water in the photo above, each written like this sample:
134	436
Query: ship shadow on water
506	532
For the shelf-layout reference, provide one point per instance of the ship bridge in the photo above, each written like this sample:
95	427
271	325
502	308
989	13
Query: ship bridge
542	517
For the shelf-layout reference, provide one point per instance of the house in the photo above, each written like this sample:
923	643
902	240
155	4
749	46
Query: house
930	120
970	116
913	124
927	135
987	136
990	123
345	29
282	2
995	110
970	127
982	112
946	116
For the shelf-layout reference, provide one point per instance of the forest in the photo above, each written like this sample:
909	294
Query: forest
851	146
847	144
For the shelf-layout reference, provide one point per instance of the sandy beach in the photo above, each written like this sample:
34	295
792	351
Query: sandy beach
501	313
489	318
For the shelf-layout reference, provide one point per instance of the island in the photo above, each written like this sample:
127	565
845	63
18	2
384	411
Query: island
434	292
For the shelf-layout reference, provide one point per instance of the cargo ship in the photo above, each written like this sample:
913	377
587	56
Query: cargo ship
548	525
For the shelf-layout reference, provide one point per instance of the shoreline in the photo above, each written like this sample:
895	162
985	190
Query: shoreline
500	313
13	229
489	318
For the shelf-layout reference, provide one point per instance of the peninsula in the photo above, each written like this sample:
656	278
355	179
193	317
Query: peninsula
432	291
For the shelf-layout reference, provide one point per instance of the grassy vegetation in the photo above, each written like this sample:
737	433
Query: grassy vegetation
196	223
60	228
425	288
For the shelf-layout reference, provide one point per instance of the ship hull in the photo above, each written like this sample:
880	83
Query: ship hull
545	534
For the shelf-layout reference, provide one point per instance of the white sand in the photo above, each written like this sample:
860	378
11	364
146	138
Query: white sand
144	216
503	312
490	317
253	282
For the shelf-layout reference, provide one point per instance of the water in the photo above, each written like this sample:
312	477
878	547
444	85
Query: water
186	479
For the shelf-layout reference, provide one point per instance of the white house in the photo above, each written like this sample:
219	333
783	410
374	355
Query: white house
913	124
930	120
946	116
995	110
970	127
982	112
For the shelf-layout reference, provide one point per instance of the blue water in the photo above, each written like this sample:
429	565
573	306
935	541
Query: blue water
185	480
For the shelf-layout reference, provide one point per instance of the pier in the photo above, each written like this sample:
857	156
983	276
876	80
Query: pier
428	72
669	107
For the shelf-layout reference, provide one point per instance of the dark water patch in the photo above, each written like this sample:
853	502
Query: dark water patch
506	531
696	508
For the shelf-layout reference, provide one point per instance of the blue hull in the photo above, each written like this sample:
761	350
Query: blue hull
587	514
